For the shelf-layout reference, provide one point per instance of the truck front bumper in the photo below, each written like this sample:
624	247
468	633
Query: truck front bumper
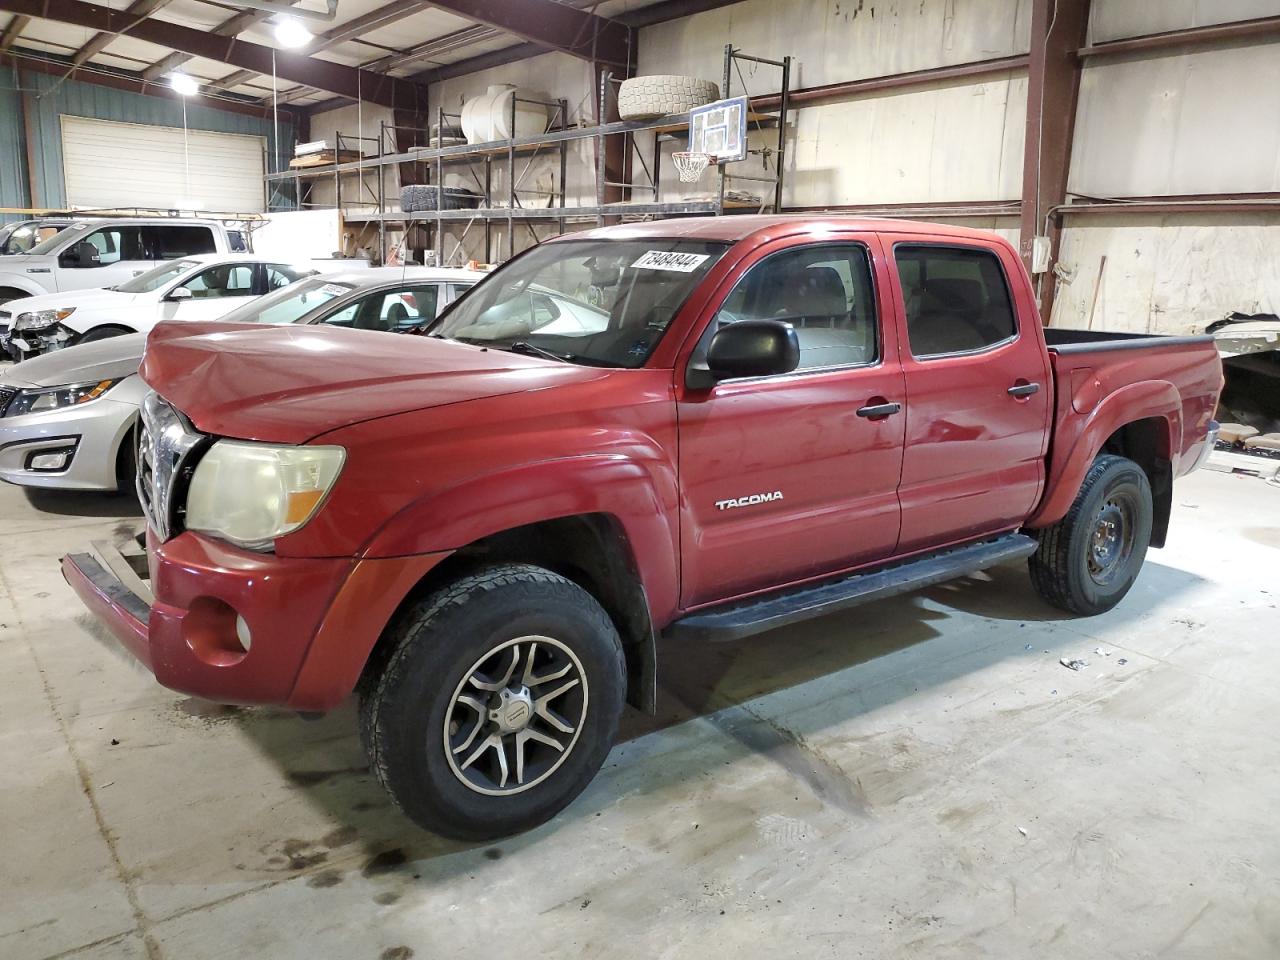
234	626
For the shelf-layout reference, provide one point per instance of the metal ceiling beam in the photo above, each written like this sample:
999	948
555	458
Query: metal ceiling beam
644	17
555	26
37	61
320	74
98	42
231	27
671	10
12	30
352	30
483	61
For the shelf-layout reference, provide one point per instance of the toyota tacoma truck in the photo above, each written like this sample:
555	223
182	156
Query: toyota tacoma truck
703	428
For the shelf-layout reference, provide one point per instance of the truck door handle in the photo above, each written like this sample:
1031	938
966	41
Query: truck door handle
1024	389
878	411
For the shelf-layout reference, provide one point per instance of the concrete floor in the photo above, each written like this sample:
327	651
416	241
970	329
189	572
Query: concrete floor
918	778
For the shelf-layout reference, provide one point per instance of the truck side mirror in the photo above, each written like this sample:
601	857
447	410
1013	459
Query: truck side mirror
82	254
747	348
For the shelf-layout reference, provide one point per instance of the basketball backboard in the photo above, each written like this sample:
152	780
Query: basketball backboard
720	129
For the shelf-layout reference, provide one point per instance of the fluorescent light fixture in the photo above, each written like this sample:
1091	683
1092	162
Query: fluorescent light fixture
184	84
291	34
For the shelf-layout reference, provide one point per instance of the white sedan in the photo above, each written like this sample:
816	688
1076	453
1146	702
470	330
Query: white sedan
194	288
66	418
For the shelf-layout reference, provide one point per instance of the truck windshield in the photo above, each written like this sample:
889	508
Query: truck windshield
156	277
291	303
599	302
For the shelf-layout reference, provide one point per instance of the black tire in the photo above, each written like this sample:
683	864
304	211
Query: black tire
1089	559
126	463
434	651
101	333
12	293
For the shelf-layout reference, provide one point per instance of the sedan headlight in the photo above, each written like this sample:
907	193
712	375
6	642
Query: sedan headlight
251	493
55	398
42	319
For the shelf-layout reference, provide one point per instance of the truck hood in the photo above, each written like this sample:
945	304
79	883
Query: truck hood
109	359
291	383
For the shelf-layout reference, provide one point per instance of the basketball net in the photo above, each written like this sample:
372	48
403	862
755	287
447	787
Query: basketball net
690	165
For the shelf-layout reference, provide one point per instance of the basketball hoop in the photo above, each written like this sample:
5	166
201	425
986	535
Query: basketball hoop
690	165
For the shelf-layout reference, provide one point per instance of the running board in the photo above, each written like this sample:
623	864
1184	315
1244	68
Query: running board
775	610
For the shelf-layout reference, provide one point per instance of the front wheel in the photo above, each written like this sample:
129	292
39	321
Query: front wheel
497	702
1089	559
101	333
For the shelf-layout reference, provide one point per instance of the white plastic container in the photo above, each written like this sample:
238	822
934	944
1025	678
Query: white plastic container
488	116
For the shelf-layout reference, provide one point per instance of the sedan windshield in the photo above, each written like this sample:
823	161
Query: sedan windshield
156	277
600	302
290	303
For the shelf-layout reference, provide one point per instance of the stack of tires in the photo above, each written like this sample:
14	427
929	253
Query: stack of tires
426	196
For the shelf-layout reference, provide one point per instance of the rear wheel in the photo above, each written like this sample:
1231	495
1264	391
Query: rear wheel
1089	559
496	704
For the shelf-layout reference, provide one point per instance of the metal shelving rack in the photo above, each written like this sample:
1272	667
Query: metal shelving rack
479	160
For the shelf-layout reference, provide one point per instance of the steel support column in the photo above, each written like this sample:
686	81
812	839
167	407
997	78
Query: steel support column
1058	30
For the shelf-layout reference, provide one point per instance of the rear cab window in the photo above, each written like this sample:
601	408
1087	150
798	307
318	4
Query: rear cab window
170	241
956	299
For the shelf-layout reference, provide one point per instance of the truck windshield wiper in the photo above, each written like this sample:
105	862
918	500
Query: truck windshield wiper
527	348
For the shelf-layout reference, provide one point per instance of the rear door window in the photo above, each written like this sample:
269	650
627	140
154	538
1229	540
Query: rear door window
956	299
392	311
281	275
170	241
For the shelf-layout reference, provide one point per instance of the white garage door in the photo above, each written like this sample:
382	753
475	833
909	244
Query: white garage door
109	164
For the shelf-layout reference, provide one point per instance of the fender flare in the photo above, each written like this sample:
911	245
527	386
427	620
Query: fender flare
639	496
1069	462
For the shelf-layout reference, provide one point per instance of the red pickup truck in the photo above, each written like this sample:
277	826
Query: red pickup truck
706	428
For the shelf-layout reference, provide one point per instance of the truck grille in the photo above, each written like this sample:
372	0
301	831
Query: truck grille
6	396
168	449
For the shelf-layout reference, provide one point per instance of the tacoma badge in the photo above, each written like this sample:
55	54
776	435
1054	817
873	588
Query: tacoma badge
750	501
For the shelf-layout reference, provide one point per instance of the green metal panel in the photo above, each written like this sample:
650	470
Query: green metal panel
53	99
13	160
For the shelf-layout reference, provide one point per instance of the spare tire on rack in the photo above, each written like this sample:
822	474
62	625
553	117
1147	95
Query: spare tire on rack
660	95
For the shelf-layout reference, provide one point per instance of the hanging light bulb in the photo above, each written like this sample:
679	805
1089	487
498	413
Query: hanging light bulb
184	84
291	34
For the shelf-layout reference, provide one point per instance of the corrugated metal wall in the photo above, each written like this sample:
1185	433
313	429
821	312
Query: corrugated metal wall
50	100
13	160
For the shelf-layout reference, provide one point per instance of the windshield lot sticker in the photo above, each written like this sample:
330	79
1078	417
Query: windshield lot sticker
665	260
333	289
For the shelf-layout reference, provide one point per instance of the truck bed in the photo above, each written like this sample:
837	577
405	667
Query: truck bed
1104	380
1065	341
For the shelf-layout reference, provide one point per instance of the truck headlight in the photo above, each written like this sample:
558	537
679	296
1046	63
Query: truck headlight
251	493
55	398
42	319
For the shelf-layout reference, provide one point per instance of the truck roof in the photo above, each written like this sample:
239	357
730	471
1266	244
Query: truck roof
735	228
